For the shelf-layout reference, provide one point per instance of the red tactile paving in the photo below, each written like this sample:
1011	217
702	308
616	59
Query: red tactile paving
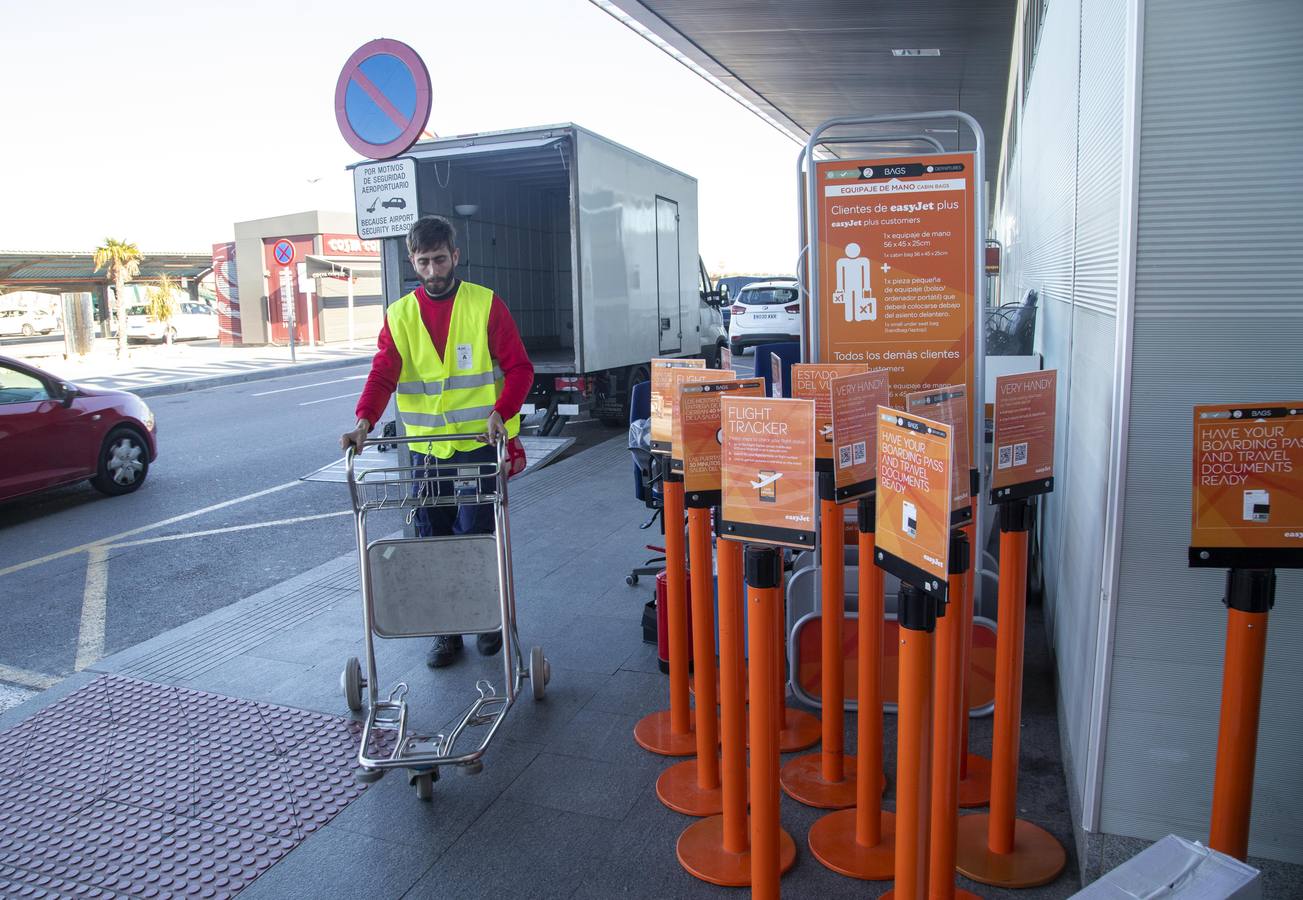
131	789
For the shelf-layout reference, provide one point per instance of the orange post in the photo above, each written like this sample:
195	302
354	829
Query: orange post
692	787
861	842
998	848
669	732
914	742
827	779
1250	594
947	709
717	849
974	770
764	578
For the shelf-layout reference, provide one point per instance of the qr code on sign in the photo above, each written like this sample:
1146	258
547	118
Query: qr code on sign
843	457
861	453
1005	457
1020	454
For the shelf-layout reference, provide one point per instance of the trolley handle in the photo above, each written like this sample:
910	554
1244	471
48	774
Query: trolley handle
500	446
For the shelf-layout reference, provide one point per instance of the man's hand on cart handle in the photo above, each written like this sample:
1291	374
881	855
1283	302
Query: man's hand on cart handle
356	437
496	429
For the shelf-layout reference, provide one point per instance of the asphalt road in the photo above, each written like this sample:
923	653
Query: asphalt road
221	516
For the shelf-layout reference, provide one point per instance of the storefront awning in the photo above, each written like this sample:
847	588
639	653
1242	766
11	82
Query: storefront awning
342	265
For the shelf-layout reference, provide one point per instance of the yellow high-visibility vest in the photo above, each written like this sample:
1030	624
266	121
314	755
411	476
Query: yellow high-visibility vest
452	393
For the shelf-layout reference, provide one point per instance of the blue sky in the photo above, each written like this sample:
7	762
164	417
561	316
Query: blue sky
165	124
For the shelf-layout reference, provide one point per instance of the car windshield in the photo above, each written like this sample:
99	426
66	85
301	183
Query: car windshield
765	296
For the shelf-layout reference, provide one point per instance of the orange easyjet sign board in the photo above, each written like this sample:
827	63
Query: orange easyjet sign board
676	427
855	402
813	381
1247	503
1024	435
767	470
666	376
698	435
896	268
913	517
949	405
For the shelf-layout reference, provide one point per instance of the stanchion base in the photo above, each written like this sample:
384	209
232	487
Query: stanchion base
677	788
653	733
1037	856
701	852
975	787
832	841
801	731
802	780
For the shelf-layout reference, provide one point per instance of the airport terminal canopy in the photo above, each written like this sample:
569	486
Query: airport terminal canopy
59	271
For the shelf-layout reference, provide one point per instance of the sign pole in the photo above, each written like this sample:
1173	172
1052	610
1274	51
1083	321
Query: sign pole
997	848
827	779
692	787
764	576
949	708
1250	595
861	843
669	732
974	770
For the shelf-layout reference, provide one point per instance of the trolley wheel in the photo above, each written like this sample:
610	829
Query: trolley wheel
367	776
424	783
350	680
540	672
631	579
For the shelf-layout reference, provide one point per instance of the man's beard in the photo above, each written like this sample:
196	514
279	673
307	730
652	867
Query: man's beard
437	287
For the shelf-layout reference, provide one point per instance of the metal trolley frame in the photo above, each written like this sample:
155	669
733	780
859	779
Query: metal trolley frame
478	596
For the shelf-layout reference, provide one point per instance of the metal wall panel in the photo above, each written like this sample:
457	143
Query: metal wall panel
1218	318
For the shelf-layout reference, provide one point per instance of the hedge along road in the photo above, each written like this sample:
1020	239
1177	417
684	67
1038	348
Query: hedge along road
221	516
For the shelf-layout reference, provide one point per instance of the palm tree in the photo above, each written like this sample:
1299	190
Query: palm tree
123	261
162	304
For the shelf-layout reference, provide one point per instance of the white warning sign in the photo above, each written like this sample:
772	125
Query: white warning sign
384	195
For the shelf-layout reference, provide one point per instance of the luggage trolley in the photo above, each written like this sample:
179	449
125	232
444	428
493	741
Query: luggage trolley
397	602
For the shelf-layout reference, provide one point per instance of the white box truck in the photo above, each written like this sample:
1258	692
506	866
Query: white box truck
592	246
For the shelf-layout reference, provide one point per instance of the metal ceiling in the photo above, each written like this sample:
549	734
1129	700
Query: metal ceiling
59	271
800	63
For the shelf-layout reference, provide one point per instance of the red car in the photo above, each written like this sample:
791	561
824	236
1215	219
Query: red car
53	432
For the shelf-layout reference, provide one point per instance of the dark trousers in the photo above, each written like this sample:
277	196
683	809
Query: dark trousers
465	518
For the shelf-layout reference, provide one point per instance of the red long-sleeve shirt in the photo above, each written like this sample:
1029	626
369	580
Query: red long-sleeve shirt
505	347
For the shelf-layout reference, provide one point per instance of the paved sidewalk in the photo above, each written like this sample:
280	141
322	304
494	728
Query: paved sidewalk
152	369
566	805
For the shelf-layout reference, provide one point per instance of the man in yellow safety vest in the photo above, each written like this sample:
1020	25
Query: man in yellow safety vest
452	355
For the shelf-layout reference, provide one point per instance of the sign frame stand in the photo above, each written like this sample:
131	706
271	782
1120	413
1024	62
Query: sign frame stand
764	578
861	842
974	769
996	847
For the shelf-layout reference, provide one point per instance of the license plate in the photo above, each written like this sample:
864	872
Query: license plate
766	316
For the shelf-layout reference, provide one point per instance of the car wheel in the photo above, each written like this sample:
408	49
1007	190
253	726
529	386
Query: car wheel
28	330
735	347
123	463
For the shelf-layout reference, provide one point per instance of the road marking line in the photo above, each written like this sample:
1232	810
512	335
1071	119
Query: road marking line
212	531
325	399
18	567
300	387
14	696
90	635
27	678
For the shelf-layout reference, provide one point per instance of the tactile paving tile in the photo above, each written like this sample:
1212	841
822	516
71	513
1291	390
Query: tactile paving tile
126	788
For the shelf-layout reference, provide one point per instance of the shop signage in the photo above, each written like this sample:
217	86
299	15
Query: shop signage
767	476
913	508
855	402
1247	504
896	268
1023	463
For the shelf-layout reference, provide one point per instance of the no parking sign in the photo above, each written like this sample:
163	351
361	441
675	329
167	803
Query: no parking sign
382	98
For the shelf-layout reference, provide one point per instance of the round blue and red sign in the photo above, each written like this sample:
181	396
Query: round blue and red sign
283	251
382	98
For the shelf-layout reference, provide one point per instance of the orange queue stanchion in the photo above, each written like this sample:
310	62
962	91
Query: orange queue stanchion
1250	595
692	787
764	575
949	706
997	848
669	732
827	779
718	849
861	842
918	619
974	770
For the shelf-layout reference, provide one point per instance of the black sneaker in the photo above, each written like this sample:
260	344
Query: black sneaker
445	650
488	644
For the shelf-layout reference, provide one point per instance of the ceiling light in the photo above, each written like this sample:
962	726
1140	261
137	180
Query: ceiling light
931	52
